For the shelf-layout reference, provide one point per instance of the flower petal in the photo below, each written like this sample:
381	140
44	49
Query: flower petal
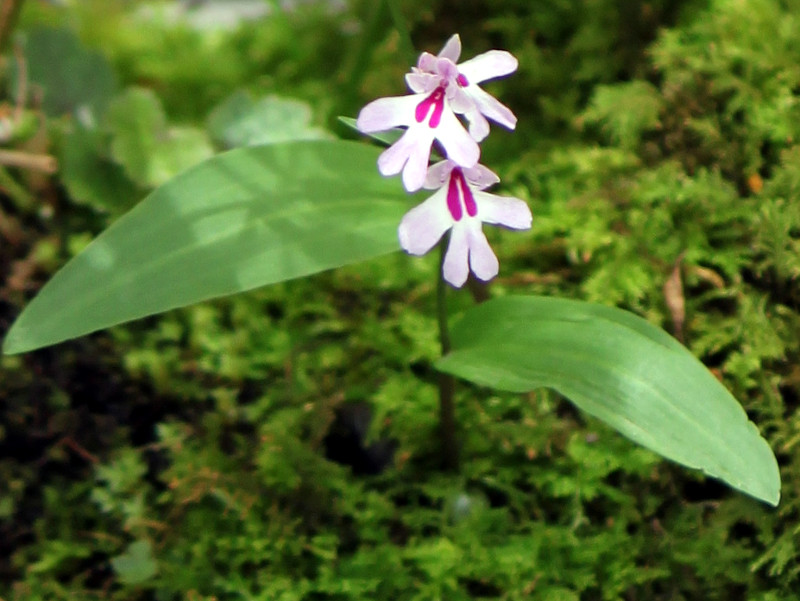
446	69
478	125
386	113
424	225
421	83
492	108
438	174
410	155
480	177
451	49
455	267
417	166
394	158
460	101
488	65
427	62
502	210
482	259
460	146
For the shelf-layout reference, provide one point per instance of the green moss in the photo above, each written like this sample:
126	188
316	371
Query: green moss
184	456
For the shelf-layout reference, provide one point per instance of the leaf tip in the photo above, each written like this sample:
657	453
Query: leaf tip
14	342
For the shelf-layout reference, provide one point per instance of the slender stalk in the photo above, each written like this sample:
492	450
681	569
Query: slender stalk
441	299
447	383
25	160
360	55
9	11
22	82
407	46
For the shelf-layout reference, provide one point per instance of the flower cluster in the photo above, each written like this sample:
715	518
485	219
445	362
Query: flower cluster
442	89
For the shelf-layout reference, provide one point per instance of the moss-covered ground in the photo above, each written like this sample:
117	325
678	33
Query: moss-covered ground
282	444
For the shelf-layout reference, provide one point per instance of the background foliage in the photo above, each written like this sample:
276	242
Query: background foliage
239	449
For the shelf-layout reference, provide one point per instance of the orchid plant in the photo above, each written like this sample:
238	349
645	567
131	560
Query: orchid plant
264	214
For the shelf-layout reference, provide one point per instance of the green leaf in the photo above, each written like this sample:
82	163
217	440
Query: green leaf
89	176
70	77
136	565
624	371
242	121
151	152
243	219
388	137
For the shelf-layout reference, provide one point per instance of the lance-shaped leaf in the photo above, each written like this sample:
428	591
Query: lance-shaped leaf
242	219
623	370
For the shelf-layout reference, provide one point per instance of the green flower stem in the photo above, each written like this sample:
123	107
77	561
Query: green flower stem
447	383
406	45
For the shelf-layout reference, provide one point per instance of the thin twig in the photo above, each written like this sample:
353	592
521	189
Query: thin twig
68	441
447	383
25	160
22	83
9	10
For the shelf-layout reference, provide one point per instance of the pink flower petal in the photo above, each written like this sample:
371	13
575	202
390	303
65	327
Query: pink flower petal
427	62
414	142
422	83
438	174
393	159
451	49
492	108
460	101
482	259
417	166
478	126
424	225
495	63
480	177
386	113
460	146
455	267
502	210
447	69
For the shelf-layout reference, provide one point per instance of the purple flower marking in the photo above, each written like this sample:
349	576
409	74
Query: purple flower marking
423	108
461	205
